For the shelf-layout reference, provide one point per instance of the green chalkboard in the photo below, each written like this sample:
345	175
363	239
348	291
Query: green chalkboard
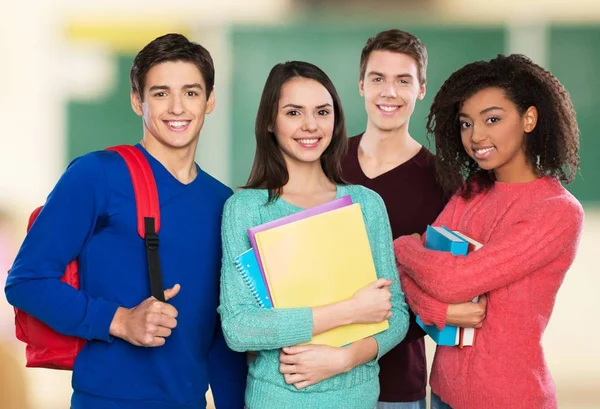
106	122
575	60
336	50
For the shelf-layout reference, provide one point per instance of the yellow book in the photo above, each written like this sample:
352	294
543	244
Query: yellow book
317	261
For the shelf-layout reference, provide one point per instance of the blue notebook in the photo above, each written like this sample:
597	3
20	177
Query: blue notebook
443	239
247	264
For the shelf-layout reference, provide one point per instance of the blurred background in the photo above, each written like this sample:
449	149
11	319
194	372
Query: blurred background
66	92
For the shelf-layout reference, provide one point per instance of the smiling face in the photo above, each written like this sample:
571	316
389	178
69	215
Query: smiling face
391	87
304	122
174	104
493	134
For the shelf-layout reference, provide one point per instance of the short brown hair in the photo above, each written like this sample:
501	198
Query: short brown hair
171	47
396	41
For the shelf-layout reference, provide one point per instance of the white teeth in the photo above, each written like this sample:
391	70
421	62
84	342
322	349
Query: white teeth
308	141
482	151
388	108
178	124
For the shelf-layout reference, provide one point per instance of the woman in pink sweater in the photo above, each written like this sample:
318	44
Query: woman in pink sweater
506	135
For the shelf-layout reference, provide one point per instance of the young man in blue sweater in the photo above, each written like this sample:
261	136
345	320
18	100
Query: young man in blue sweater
140	352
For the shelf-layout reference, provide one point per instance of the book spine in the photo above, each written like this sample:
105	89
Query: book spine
246	277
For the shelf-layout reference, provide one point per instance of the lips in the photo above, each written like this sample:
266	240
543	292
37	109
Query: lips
483	153
387	109
308	142
178	125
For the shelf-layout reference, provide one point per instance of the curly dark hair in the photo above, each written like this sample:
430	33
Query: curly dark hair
552	147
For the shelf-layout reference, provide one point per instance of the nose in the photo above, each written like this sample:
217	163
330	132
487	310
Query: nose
388	91
478	134
176	105
309	124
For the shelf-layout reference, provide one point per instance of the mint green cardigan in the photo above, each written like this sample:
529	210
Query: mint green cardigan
247	327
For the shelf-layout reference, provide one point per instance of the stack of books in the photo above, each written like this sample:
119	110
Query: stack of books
312	258
457	243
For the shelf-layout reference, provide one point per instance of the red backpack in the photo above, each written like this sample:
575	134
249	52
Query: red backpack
47	348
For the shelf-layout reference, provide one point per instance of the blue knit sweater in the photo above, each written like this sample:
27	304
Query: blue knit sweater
91	215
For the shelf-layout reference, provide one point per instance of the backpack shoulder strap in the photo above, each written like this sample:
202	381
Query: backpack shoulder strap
148	211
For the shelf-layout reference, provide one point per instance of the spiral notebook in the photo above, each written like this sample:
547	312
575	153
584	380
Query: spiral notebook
247	264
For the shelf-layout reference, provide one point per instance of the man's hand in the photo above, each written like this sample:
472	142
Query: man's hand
468	314
307	365
147	324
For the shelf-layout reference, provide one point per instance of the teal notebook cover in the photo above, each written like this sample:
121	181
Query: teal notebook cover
443	239
247	264
445	337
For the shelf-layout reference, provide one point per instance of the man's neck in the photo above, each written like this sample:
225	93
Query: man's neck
178	162
380	151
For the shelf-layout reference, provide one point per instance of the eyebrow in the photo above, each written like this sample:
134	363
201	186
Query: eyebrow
166	87
301	106
484	111
379	74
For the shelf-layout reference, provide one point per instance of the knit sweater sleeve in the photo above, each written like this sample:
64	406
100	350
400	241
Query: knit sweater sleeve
246	326
380	238
66	221
544	232
430	310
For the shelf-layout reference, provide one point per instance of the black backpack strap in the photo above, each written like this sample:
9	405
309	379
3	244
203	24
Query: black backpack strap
148	211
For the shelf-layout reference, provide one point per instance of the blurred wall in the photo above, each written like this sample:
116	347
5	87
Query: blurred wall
66	63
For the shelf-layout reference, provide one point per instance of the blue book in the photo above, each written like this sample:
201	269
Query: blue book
443	239
446	337
247	264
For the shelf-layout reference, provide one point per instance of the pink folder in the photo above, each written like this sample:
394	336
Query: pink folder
313	211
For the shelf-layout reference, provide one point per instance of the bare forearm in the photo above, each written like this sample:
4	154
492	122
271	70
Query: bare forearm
332	316
361	352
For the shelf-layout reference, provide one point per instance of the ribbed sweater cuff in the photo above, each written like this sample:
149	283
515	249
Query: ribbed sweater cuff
300	331
434	312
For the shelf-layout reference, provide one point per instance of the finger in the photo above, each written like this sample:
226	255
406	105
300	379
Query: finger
296	349
288	359
167	322
382	282
482	300
388	315
157	342
287	369
294	378
162	332
172	292
163	308
303	384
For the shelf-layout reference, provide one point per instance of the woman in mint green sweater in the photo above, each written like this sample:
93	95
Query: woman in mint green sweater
301	136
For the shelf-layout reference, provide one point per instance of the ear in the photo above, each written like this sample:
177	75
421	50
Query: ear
210	102
361	88
136	103
530	118
270	128
422	91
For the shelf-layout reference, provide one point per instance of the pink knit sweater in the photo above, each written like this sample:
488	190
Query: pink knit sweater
530	233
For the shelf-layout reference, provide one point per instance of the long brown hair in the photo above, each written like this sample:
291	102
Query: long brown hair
269	170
